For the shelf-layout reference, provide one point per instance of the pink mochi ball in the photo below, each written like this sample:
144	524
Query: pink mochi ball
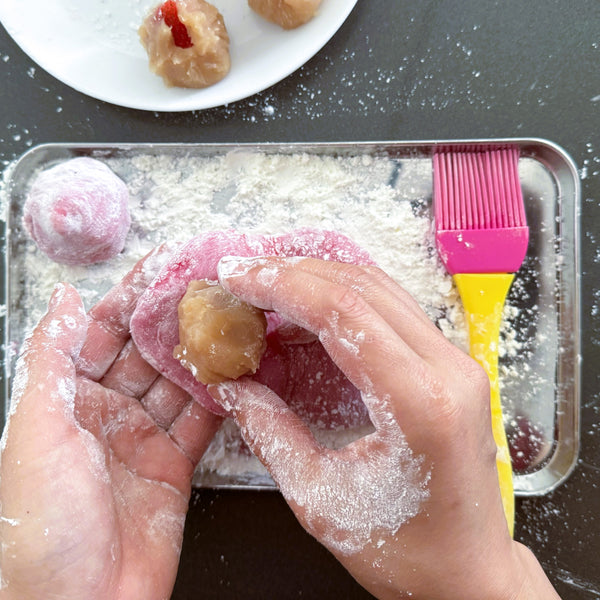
77	212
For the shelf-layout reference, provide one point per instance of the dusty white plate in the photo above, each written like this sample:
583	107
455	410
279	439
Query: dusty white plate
93	46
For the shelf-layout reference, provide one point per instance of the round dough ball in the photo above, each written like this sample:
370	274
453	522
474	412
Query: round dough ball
220	336
288	14
77	212
187	43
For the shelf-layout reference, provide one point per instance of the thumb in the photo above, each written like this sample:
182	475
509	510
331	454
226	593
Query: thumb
44	379
274	433
37	449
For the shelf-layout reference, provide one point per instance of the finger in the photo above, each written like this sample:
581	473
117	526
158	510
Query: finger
164	401
130	374
275	434
46	363
340	496
122	425
399	309
380	290
193	429
108	328
43	448
43	390
394	304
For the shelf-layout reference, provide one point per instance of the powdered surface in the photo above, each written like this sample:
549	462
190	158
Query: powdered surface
380	203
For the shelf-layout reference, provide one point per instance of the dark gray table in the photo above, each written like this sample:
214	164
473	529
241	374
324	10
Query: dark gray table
396	70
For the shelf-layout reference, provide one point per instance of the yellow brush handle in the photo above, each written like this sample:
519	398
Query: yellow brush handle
483	297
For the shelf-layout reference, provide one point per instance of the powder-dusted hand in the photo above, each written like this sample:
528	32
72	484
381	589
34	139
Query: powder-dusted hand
413	508
97	458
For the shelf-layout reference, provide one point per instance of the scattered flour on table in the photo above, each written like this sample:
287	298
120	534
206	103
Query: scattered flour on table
379	202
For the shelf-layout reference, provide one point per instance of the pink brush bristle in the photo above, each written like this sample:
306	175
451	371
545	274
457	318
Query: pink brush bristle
480	219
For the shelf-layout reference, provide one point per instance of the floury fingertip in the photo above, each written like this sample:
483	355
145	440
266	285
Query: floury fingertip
58	293
223	394
238	266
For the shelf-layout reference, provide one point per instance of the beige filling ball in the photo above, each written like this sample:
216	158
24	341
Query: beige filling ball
220	336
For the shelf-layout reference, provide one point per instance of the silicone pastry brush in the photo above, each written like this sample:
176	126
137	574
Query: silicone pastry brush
482	236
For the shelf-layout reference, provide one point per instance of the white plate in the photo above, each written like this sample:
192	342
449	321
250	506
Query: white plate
93	46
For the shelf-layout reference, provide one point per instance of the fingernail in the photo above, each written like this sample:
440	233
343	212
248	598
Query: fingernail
58	293
223	394
237	266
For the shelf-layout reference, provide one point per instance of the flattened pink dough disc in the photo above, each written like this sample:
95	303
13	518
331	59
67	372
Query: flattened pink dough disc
301	373
77	212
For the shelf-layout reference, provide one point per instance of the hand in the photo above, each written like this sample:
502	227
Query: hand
98	456
413	508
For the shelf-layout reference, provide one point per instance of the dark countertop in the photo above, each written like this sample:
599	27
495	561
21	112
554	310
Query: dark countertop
395	71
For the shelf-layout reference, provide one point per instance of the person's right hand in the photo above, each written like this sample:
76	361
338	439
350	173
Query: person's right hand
413	509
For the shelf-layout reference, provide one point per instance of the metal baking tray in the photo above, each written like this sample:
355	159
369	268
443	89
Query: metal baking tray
541	403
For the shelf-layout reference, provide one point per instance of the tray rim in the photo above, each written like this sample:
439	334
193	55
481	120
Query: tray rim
563	460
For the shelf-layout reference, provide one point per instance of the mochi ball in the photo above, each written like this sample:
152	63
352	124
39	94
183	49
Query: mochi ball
77	212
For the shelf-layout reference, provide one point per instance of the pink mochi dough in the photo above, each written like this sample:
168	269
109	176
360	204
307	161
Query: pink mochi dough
299	369
77	212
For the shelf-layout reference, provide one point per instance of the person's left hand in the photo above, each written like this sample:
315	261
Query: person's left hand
97	458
